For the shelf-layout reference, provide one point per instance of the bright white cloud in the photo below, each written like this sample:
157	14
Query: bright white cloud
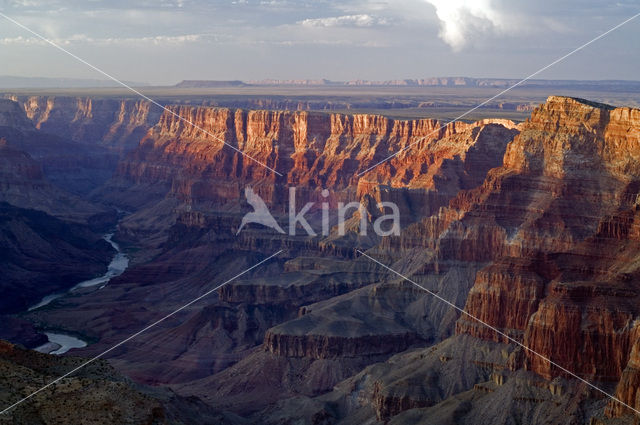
461	20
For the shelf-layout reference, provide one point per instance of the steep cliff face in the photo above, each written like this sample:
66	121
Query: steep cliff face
117	124
312	151
628	388
557	221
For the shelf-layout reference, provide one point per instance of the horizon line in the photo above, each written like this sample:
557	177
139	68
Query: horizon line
393	82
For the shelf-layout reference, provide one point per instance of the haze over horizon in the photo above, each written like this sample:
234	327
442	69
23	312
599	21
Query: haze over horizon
155	42
10	82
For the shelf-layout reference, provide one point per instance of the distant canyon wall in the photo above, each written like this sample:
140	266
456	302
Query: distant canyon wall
117	124
313	151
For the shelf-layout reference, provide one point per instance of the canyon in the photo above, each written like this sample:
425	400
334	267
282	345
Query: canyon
528	227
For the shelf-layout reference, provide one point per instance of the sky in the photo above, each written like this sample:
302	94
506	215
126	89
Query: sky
166	41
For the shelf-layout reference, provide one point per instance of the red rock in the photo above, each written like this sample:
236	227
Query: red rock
556	222
628	388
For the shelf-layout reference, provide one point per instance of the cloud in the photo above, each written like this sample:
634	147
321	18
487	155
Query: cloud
362	20
131	41
20	40
253	39
461	20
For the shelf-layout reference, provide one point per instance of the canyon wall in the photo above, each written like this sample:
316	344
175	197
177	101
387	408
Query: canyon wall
117	124
313	151
557	223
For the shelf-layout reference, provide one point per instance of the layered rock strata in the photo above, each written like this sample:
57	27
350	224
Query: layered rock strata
117	124
557	223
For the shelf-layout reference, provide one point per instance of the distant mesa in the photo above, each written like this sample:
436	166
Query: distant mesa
273	82
198	84
462	82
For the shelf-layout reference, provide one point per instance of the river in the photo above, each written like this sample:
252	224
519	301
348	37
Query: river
61	343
